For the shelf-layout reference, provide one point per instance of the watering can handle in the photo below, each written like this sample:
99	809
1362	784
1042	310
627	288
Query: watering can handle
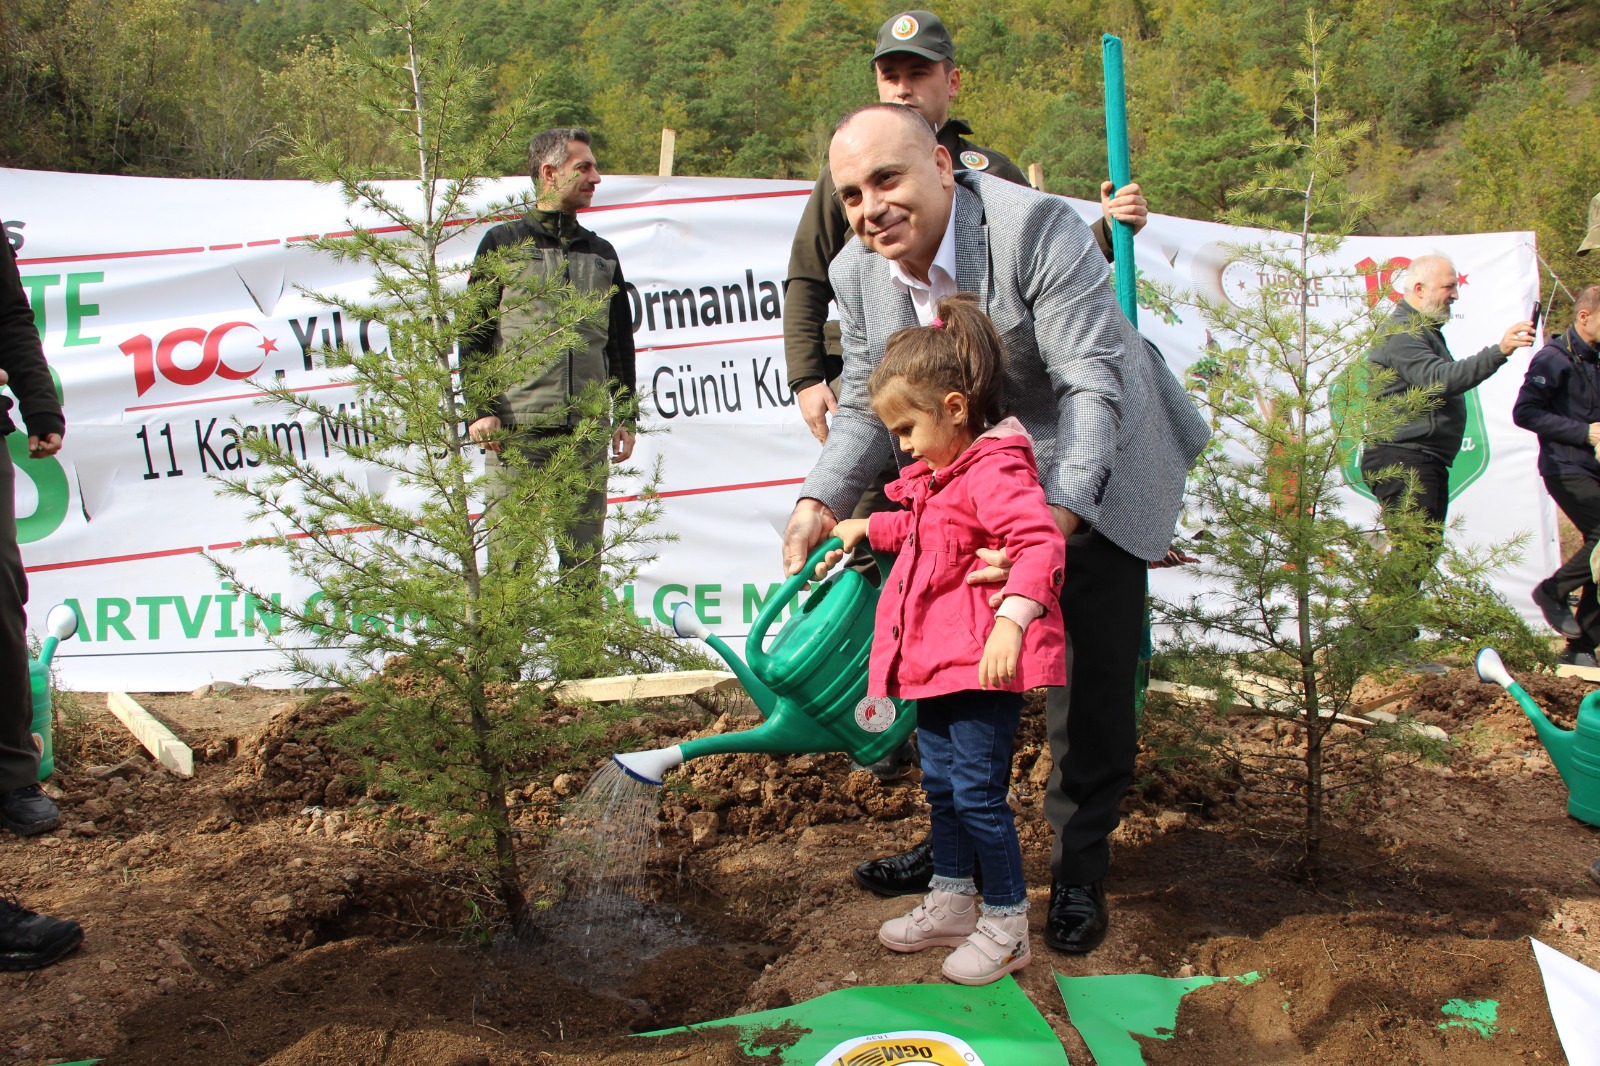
775	604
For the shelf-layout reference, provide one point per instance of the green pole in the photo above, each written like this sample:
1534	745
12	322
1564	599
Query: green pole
1121	171
1120	168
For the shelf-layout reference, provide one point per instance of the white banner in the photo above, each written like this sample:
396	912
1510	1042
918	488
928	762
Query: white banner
158	299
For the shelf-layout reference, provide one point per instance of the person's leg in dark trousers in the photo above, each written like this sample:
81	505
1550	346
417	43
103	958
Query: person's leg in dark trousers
1579	499
1092	732
1431	497
24	808
19	759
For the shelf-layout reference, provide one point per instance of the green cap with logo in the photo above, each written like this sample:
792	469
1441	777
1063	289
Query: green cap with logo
1591	240
918	32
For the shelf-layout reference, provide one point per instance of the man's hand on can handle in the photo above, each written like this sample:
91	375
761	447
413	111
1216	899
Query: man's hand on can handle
809	525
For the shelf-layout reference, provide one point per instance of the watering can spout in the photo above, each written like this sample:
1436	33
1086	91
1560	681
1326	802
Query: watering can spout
650	766
1558	742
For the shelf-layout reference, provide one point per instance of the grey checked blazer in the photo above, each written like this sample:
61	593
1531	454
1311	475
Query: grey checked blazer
1113	430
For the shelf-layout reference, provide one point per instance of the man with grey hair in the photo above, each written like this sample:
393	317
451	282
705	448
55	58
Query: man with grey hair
535	418
1416	352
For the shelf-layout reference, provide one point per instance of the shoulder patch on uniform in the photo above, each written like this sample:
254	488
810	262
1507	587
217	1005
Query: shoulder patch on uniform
974	160
905	27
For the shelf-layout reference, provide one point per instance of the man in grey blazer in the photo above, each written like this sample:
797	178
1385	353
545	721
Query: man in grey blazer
1114	434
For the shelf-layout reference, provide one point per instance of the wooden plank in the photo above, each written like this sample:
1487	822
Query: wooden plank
648	686
1588	673
157	739
1241	708
1036	176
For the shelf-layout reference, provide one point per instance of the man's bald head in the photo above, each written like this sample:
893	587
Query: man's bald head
916	126
1431	285
895	182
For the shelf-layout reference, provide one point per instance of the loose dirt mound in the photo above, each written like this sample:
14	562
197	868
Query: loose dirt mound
270	911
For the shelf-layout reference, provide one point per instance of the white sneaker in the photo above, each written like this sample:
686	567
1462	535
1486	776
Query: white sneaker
942	919
997	947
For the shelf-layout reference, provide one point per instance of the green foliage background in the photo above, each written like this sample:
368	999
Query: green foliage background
1484	113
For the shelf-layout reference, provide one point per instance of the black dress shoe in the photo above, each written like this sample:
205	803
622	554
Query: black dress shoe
27	810
905	874
1557	613
1077	922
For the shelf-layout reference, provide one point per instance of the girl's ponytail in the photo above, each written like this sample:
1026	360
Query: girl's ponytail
978	355
959	352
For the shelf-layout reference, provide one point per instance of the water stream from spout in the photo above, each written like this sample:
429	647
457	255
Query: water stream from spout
594	918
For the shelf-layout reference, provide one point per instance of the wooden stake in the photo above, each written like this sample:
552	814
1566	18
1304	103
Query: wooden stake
1036	175
157	739
669	142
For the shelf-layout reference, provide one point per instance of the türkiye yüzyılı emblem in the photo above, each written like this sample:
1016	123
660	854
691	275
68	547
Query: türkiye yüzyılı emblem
909	1047
875	713
905	27
974	160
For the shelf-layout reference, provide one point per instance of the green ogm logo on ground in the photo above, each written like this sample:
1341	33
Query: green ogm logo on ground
49	484
1470	463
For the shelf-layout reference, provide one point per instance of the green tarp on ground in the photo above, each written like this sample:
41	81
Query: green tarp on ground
940	1025
1110	1011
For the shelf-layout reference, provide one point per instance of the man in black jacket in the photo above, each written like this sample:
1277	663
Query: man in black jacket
1417	353
27	940
1560	402
537	417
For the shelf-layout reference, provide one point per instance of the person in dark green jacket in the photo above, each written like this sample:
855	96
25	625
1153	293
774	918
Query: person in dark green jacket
28	941
1417	353
536	417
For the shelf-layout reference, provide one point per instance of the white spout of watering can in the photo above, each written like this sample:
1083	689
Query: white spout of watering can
59	624
686	623
650	766
1492	670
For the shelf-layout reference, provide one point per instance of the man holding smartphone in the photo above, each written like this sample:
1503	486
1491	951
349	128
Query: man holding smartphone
1560	403
1417	353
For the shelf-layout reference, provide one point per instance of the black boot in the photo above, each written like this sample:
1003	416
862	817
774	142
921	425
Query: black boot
905	874
29	941
1078	921
27	811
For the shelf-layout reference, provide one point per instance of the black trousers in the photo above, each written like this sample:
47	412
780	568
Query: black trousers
19	759
1578	497
1432	497
1093	735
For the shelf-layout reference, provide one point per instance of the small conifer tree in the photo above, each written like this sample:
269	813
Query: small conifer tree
451	621
1305	600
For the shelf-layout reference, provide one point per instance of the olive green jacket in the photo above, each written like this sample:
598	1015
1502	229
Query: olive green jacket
604	352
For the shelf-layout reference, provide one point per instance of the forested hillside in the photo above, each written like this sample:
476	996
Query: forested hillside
1484	113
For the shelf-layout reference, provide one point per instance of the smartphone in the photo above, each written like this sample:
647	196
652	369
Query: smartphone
1537	307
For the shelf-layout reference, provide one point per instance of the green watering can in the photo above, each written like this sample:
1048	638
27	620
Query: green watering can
59	624
1575	752
811	683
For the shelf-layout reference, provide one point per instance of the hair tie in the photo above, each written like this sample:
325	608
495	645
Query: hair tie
937	323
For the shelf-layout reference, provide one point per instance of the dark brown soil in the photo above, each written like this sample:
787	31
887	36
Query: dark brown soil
268	910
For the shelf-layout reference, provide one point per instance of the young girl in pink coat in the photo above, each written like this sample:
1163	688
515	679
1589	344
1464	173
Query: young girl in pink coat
938	641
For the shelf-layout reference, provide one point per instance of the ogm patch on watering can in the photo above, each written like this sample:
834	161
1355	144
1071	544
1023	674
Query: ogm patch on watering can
874	714
909	1047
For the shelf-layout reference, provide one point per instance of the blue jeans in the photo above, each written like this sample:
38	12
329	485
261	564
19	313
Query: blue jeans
966	740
